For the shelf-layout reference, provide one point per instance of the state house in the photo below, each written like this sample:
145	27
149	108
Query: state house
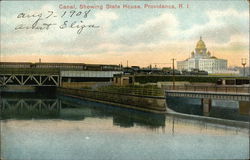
202	59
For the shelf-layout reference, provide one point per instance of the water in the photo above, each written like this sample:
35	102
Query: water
58	128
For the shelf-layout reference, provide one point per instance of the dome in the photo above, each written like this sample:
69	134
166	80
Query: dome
200	44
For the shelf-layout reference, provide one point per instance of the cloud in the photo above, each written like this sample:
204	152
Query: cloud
156	39
221	26
151	31
89	41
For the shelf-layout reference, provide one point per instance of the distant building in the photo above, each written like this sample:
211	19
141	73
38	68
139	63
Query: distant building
201	59
123	80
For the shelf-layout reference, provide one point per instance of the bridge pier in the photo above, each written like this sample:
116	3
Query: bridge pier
244	107
206	104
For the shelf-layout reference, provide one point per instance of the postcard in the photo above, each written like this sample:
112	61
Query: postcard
124	79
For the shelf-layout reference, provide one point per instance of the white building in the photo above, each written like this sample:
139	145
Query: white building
201	59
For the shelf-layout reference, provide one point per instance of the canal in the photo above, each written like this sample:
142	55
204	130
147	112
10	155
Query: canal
38	127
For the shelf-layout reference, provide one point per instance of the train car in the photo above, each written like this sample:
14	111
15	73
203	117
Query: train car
78	66
92	67
110	67
15	65
101	67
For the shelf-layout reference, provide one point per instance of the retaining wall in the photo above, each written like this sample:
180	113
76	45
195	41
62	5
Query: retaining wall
144	103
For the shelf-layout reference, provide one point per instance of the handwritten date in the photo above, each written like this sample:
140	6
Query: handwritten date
41	21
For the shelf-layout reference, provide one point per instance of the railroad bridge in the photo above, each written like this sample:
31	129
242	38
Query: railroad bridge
208	93
48	77
29	77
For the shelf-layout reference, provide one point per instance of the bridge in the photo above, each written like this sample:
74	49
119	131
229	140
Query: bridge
211	95
48	76
29	77
208	93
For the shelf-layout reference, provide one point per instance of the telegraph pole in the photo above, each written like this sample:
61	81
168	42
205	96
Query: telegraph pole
173	74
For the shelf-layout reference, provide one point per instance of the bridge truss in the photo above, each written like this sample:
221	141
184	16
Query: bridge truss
29	80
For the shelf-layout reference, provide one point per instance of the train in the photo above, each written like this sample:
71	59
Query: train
101	67
159	71
64	66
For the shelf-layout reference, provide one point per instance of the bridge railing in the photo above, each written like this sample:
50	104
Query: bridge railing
215	88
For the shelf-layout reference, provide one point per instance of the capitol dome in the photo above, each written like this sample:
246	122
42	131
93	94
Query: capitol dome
200	44
202	59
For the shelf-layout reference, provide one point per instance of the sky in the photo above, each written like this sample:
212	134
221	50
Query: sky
141	36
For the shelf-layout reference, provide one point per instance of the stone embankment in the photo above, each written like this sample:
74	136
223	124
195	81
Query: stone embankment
155	104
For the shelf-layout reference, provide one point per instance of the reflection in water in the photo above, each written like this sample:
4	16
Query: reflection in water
66	128
29	108
121	117
74	109
193	106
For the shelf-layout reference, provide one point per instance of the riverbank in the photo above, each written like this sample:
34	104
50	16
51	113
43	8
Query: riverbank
212	120
154	104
